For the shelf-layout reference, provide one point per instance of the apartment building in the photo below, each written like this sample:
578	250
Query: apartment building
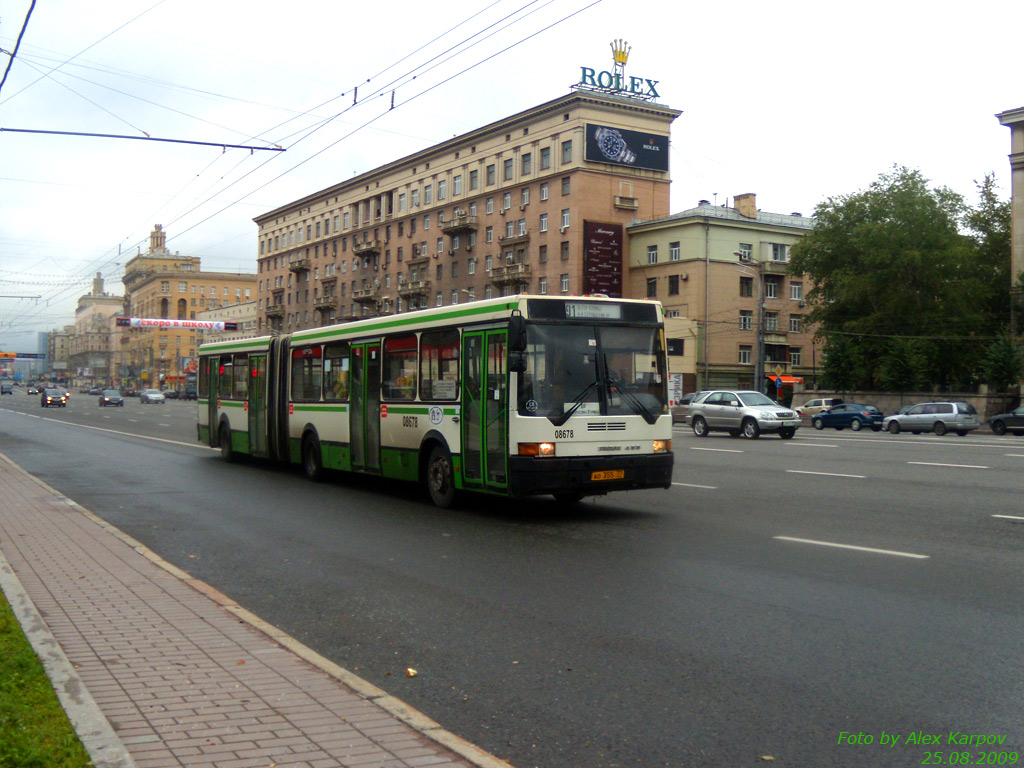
537	202
708	266
93	353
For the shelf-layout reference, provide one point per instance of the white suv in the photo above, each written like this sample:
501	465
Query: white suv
740	412
818	405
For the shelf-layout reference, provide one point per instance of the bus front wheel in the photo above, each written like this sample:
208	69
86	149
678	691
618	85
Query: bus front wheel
440	478
226	451
312	459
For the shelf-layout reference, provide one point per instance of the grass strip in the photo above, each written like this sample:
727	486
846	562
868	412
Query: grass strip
34	730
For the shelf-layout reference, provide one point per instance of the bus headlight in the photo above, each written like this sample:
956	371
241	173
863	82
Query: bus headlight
536	449
662	446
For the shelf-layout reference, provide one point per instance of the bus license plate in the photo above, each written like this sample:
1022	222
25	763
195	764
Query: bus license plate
608	474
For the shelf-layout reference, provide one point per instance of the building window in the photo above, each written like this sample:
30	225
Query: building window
771	321
565	282
442	189
795	356
745	354
165	286
542	284
796	291
457	185
779	252
796	323
652	287
542	254
521	227
428	194
474	180
490	174
746	286
506	170
438	301
544	191
673	285
472	266
488	291
673	251
652	254
565	250
565	218
545	158
525	196
489	235
543	222
746	319
182	286
525	163
488	261
490	205
455	297
771	289
506	201
566	185
566	152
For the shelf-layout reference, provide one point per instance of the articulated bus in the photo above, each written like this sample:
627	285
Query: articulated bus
516	396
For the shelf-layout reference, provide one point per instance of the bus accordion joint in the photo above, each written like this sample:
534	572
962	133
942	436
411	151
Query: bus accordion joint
536	449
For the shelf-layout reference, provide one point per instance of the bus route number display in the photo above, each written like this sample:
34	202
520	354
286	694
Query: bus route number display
588	311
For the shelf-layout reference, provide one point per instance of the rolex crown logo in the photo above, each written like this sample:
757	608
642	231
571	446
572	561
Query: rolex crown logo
620	52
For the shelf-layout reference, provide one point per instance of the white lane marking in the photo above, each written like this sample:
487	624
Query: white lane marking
1016	455
717	450
1009	517
957	466
851	546
126	434
694	485
812	445
825	474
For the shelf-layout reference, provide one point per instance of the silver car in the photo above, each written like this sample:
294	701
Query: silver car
939	418
740	412
151	396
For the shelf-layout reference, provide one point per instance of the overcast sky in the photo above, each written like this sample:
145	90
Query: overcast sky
795	101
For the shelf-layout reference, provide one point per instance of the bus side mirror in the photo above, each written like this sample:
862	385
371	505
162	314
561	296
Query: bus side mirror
517	362
517	333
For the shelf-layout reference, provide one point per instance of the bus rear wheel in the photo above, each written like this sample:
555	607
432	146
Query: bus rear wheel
226	451
440	478
312	458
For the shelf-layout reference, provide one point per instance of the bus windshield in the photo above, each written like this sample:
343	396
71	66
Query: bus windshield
593	370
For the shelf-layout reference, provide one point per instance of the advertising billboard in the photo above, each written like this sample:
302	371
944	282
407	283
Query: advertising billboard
623	147
602	258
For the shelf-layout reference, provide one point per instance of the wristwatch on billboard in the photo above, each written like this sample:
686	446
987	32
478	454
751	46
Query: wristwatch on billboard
613	146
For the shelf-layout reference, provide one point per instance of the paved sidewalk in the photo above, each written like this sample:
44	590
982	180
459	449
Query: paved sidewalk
158	670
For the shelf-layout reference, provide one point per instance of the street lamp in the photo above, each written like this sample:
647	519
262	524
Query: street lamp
747	260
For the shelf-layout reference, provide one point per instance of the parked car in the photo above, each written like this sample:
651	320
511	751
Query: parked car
6	389
740	412
818	405
147	396
678	410
852	415
1012	422
190	393
111	397
939	418
95	390
54	397
170	394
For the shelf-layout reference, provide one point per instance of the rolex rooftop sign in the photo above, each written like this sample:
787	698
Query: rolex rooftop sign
615	81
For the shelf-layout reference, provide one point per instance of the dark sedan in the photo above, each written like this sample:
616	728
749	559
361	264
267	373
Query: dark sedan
111	397
54	397
852	415
1012	422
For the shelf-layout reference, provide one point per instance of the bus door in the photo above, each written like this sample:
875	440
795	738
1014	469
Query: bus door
485	409
212	383
258	405
364	417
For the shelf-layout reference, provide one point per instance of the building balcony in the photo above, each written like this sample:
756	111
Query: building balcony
299	265
627	203
417	259
510	240
414	288
774	337
329	279
369	248
366	295
510	273
275	310
325	302
774	267
459	224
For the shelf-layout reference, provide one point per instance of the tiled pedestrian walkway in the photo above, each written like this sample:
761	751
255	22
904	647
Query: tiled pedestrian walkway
157	670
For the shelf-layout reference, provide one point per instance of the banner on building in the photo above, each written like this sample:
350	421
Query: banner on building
623	147
602	258
195	325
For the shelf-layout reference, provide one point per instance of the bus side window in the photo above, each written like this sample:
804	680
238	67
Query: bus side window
439	365
336	369
399	373
307	372
224	377
204	377
241	377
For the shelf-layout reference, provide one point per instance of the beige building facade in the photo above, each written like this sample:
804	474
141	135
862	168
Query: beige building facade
708	266
1014	120
537	202
164	285
94	353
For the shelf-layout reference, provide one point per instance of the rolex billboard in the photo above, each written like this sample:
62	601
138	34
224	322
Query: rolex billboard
622	147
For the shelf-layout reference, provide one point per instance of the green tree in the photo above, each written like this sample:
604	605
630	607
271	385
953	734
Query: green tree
893	261
1003	364
841	370
904	367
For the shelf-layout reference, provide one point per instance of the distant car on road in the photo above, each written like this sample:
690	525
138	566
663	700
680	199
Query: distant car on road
111	397
740	412
147	396
6	389
939	418
33	389
852	415
1012	422
54	397
678	410
190	393
818	405
170	394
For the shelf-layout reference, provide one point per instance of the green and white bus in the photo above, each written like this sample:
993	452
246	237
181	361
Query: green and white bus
516	396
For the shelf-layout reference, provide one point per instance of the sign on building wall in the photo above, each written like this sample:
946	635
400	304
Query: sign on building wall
622	147
199	325
602	258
